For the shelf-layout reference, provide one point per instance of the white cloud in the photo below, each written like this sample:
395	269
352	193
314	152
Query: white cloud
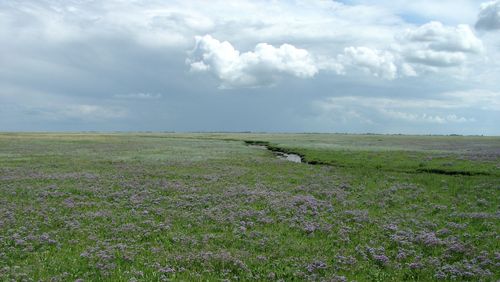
82	112
481	99
339	112
148	23
436	45
175	23
426	118
140	95
489	16
428	47
262	66
448	11
434	58
379	63
445	108
438	37
52	107
91	112
457	100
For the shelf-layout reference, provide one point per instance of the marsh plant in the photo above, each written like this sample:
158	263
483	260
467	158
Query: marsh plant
158	207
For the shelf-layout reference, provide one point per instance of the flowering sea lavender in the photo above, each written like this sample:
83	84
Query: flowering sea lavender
338	278
455	225
415	265
45	238
382	260
316	265
310	227
443	232
391	227
455	246
358	215
346	260
166	270
428	239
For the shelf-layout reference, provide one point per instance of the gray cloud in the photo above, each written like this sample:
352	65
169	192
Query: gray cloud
445	110
489	16
77	112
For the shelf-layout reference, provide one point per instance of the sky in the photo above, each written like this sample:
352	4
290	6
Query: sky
357	66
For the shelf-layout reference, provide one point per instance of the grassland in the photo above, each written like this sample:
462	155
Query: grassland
158	207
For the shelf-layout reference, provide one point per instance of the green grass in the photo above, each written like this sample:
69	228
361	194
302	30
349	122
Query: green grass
151	207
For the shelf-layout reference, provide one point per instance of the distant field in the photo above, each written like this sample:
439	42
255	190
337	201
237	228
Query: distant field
157	207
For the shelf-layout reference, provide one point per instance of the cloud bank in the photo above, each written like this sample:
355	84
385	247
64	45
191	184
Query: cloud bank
249	65
428	47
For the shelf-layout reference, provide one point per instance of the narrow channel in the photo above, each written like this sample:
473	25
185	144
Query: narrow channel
280	155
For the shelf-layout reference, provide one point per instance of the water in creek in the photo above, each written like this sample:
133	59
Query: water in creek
290	157
283	156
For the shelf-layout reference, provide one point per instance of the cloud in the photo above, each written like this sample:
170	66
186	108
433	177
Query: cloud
82	112
448	11
335	112
428	47
489	16
140	96
42	106
145	22
455	100
379	63
261	67
485	100
436	45
364	35
438	37
426	118
92	112
108	59
444	108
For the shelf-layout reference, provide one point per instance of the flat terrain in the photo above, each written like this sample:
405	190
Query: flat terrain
156	207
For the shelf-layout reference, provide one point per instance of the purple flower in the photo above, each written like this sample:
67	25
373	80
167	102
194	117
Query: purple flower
428	239
415	265
310	227
401	255
381	259
316	265
166	270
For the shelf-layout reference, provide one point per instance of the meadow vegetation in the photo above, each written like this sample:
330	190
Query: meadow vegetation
158	207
